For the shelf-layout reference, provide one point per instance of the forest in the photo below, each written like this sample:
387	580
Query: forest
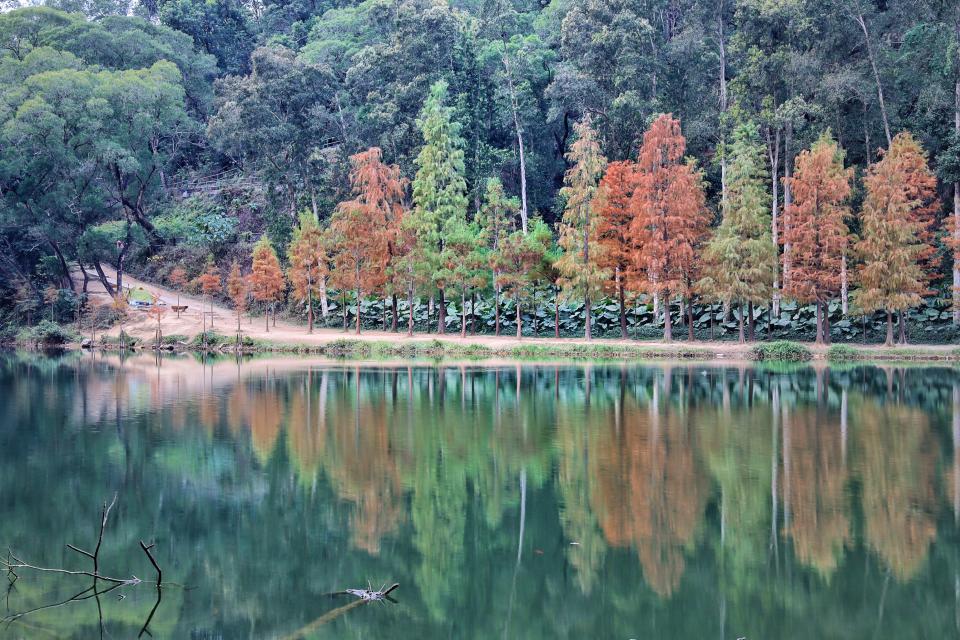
738	168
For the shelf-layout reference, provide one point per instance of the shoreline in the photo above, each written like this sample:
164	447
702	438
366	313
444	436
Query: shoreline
374	345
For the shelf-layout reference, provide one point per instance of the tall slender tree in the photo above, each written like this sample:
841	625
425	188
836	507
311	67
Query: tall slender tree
818	233
266	277
519	264
892	275
741	257
361	227
671	218
237	289
612	205
439	188
580	266
307	255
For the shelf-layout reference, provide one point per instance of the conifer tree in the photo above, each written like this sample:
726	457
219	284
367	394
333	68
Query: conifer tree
612	205
308	262
892	275
740	257
361	227
439	188
671	217
210	283
237	289
266	277
816	228
581	271
519	261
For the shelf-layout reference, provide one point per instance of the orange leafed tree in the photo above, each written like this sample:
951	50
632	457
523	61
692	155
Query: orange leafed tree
238	290
894	274
266	278
671	218
816	229
612	205
308	262
178	279
364	227
210	283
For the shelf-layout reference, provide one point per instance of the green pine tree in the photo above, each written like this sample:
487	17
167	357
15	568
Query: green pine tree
439	188
741	254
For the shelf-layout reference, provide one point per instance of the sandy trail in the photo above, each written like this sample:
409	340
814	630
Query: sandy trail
191	323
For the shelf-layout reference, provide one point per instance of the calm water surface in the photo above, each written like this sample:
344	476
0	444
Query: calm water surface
508	501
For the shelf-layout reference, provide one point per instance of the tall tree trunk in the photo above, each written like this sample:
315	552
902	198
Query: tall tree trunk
826	323
519	320
690	337
751	323
623	304
773	154
393	313
496	310
309	311
343	298
667	321
858	16
722	45
586	317
787	199
844	286
63	265
358	311
463	313
889	341
956	211
819	339
324	305
740	338
903	327
410	311
519	131
266	317
442	314
473	312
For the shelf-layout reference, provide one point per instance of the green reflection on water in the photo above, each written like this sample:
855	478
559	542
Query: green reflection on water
614	501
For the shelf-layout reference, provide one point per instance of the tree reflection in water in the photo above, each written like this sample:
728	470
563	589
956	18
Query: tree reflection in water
561	500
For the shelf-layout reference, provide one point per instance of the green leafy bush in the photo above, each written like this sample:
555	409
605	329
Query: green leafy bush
783	351
843	353
47	333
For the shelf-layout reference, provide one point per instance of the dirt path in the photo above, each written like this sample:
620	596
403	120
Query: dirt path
191	323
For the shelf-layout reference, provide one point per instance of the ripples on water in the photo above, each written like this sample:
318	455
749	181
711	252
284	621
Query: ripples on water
533	501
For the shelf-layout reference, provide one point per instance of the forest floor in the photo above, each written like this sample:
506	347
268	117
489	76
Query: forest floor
289	336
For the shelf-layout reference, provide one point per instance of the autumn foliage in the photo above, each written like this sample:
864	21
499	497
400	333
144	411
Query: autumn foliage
671	220
816	228
266	277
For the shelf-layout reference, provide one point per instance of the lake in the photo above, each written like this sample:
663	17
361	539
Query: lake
532	500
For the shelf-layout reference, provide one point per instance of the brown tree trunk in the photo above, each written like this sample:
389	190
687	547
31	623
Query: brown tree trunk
903	327
358	312
667	320
819	339
463	314
889	341
519	320
410	311
586	317
473	312
393	313
741	339
309	312
623	305
442	315
496	310
751	323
